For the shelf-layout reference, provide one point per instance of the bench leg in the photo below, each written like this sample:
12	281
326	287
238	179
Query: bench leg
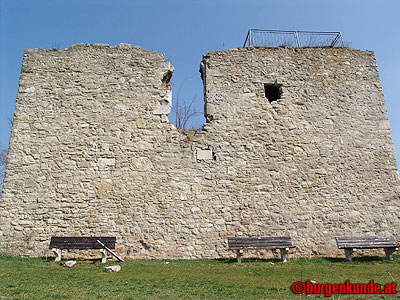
389	252
57	252
283	254
239	256
103	256
348	253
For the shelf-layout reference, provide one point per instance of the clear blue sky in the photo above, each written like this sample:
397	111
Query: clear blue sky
186	29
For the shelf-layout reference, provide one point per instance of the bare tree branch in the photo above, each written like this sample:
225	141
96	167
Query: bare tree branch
184	112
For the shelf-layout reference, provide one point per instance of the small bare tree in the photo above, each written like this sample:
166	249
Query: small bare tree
184	111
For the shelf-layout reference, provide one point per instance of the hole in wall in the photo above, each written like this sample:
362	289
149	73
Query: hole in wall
167	77
273	91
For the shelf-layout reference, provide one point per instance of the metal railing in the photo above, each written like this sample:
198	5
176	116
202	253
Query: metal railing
277	38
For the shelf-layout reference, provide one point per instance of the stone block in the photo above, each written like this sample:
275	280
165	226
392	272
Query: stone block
30	90
204	154
69	264
111	269
105	185
106	162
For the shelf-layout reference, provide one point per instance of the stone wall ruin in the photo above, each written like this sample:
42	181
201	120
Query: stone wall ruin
92	152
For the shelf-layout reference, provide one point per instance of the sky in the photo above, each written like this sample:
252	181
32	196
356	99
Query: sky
185	30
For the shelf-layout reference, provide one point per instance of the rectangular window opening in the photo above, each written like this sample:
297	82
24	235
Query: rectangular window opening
273	91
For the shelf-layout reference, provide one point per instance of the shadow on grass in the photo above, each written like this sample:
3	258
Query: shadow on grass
315	260
25	259
248	260
361	259
46	260
340	260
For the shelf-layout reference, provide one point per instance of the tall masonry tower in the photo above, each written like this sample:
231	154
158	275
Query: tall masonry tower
297	142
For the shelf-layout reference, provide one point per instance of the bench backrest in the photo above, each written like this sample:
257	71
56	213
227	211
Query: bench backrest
272	242
365	242
81	242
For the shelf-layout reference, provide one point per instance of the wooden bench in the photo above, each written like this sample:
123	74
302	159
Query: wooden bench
81	243
283	243
350	244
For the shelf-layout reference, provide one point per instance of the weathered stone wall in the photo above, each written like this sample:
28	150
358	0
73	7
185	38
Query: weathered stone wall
315	164
91	152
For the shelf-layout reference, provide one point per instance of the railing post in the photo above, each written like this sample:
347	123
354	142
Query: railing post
247	38
341	39
297	39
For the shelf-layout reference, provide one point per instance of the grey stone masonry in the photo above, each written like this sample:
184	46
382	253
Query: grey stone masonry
92	152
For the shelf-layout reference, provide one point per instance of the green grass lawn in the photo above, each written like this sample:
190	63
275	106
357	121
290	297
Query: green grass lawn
37	278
